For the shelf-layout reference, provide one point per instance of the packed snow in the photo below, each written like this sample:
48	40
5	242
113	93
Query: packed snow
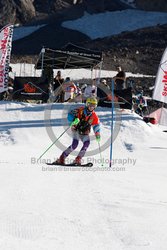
26	69
43	207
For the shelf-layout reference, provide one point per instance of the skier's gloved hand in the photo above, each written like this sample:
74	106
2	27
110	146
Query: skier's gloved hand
75	122
98	138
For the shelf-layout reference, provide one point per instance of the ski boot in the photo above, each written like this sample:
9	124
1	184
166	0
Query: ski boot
77	161
60	161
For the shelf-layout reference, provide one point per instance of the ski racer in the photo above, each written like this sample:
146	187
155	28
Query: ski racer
81	119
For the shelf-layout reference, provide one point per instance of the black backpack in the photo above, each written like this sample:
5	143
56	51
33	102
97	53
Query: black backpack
83	126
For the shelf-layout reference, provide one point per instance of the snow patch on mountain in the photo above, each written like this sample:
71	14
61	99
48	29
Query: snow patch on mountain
112	23
129	2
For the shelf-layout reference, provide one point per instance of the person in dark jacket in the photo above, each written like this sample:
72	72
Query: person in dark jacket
58	87
103	94
119	79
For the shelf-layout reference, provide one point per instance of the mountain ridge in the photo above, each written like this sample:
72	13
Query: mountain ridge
137	51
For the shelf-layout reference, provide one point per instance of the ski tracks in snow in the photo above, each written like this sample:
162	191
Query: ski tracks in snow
25	226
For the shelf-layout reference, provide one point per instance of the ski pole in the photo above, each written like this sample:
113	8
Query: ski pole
53	143
100	154
112	124
75	122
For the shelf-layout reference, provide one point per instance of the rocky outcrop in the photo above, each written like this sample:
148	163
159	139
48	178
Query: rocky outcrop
24	11
139	51
153	5
16	11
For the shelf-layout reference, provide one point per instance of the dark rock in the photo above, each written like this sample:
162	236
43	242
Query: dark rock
16	11
153	5
139	51
24	11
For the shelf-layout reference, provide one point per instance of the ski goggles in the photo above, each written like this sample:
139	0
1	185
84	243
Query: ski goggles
91	105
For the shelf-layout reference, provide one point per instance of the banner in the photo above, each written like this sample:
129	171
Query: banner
163	118
6	35
160	89
31	88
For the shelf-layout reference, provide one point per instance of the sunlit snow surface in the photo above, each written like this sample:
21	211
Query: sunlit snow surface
25	69
120	208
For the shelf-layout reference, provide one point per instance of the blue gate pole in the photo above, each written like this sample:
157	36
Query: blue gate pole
112	123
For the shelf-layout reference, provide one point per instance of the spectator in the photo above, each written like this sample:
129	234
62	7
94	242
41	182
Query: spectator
58	80
119	79
69	89
58	88
90	90
83	87
78	93
104	93
104	83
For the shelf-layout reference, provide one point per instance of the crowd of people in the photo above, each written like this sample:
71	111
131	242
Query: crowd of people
67	90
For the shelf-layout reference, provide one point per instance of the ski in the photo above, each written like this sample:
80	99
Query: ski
89	164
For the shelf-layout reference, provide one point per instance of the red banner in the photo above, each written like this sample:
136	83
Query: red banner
6	35
160	89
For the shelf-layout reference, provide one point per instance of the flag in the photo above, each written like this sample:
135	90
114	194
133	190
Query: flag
163	118
160	89
6	35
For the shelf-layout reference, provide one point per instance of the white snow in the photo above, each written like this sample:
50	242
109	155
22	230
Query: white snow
112	23
25	69
42	207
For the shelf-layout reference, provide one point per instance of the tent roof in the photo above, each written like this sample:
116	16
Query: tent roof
70	57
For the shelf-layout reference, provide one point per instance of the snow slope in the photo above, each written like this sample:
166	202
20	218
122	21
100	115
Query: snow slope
120	208
25	69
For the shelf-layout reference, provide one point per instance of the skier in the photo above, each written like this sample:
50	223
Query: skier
81	120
